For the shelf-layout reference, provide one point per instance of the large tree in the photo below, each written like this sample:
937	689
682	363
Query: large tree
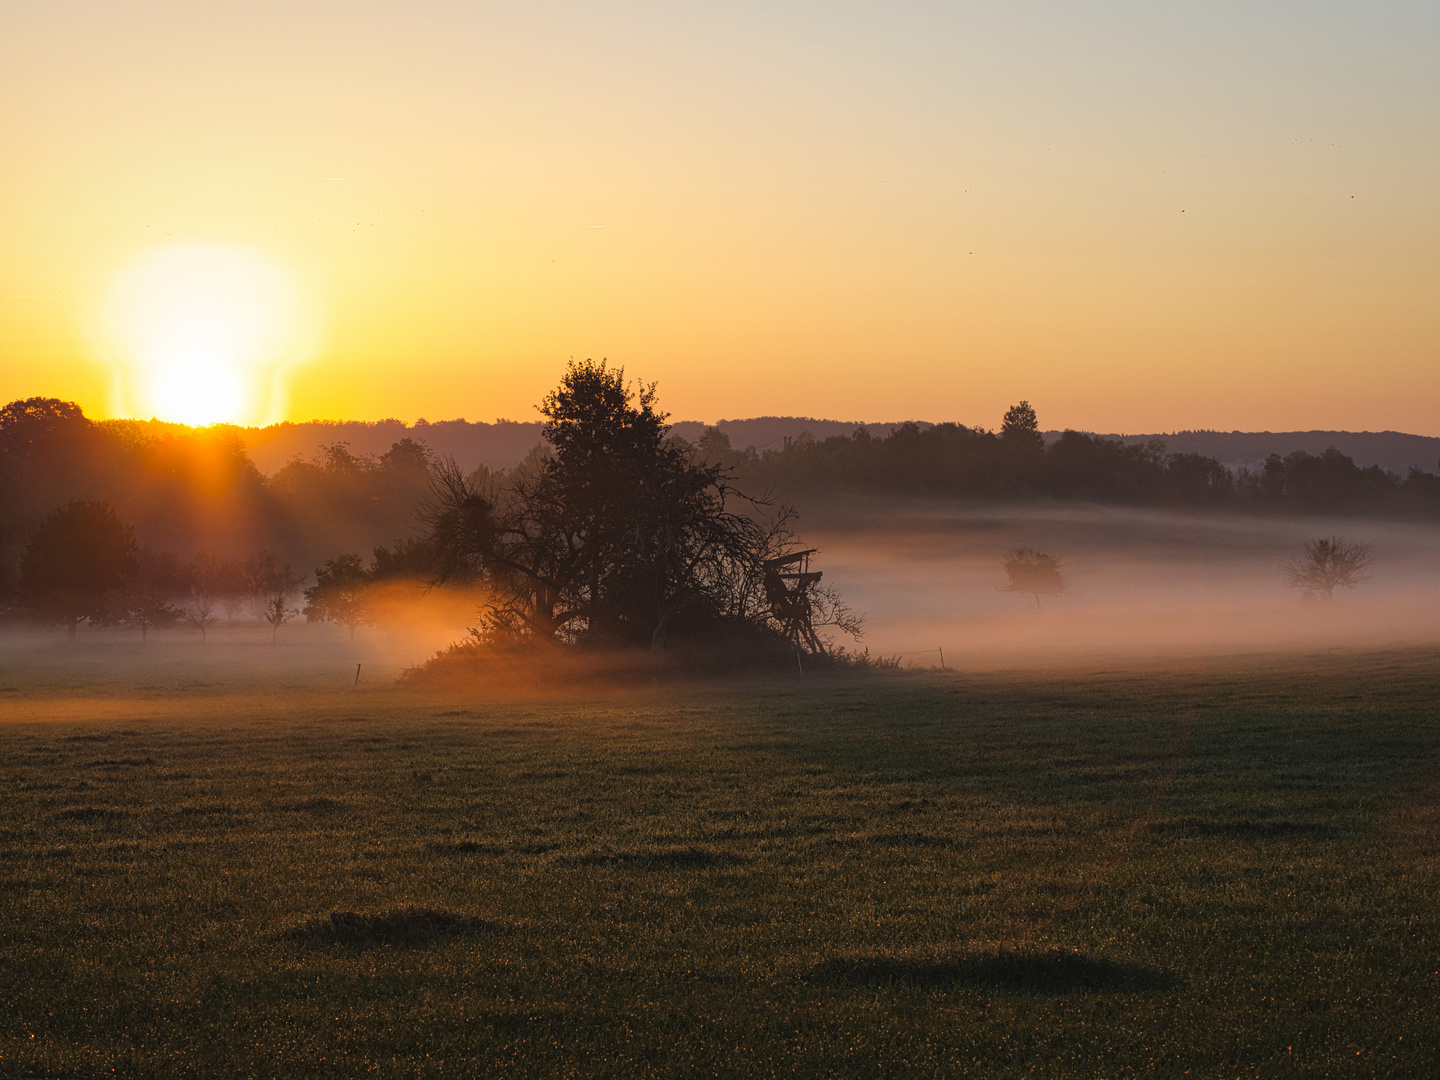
77	565
616	535
340	592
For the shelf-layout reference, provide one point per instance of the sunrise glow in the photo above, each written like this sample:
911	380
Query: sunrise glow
202	334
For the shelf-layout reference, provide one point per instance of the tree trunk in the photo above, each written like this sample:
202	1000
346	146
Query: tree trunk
662	626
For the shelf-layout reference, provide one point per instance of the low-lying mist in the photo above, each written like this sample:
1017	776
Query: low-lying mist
1140	583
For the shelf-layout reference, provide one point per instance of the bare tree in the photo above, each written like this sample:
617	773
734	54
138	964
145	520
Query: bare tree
270	586
1028	570
218	582
200	613
277	610
1327	564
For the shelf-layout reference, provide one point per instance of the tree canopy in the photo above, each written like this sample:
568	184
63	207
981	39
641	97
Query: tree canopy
618	535
1327	564
78	565
1028	570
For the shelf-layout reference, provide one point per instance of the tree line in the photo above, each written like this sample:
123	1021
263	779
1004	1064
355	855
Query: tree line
1014	462
612	530
613	534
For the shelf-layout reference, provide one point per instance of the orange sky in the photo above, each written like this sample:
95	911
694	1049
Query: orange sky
1141	217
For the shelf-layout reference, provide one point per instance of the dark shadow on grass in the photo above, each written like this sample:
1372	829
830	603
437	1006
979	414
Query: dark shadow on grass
1245	828
319	804
91	813
488	847
912	839
1053	972
659	858
411	927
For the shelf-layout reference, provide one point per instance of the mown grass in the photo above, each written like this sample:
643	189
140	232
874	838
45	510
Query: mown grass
1216	871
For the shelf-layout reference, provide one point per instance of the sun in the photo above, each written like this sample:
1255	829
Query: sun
203	334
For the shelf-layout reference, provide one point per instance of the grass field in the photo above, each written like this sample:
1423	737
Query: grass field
1220	870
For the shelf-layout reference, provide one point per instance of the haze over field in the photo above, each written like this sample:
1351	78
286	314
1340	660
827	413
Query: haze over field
1142	584
1144	587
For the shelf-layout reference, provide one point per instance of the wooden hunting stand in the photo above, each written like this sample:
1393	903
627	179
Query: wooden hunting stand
789	585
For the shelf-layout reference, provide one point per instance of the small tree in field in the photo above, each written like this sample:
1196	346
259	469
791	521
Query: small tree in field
1028	570
277	610
216	584
145	608
1329	564
270	586
200	614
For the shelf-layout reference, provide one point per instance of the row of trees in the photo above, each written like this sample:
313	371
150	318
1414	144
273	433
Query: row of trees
1015	462
190	490
616	534
612	532
83	564
187	490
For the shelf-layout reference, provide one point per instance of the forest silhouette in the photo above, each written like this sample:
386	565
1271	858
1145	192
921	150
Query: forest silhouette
665	525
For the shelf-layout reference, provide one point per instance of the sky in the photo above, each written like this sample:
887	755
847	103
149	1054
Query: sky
1138	216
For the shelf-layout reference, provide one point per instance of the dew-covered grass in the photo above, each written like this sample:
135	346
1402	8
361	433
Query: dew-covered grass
1223	869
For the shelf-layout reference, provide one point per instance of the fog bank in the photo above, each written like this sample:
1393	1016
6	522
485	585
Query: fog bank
1141	583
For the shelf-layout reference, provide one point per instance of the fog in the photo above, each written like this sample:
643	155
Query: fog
1142	583
240	656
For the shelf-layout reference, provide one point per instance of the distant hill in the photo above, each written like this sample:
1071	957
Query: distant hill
501	443
1393	451
507	441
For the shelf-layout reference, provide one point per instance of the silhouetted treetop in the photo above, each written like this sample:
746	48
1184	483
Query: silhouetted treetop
620	536
1021	426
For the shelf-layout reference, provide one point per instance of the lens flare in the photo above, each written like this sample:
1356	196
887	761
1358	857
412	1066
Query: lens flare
203	334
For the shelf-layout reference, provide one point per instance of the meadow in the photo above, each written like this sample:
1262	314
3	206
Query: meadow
1222	867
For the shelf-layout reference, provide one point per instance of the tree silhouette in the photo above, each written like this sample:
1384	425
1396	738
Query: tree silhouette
1020	427
1327	564
339	593
1028	570
76	564
270	586
612	536
200	614
145	607
277	610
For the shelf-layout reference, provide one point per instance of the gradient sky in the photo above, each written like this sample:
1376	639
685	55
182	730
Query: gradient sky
1139	216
